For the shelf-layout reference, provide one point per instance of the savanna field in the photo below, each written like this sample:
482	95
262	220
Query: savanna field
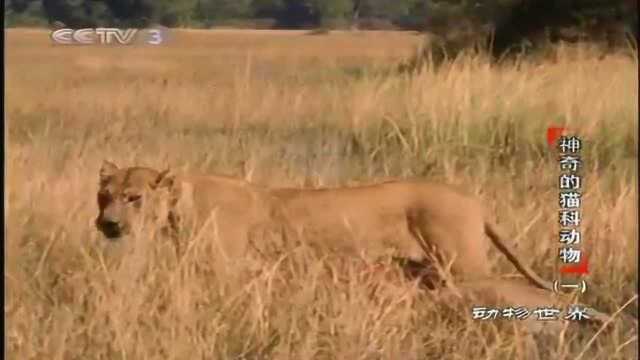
293	109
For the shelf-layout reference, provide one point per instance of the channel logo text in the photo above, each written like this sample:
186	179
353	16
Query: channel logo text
109	36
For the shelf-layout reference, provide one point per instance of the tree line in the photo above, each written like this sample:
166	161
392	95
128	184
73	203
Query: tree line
207	13
408	14
506	23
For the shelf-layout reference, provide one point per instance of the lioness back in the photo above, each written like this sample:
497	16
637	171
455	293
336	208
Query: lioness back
385	217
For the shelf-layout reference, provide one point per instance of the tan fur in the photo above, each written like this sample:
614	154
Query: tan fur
405	219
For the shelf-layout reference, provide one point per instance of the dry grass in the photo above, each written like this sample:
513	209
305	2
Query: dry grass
292	109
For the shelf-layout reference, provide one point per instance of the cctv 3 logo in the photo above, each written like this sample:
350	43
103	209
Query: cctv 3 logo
108	36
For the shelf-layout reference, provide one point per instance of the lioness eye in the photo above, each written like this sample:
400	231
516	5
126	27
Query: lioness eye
132	198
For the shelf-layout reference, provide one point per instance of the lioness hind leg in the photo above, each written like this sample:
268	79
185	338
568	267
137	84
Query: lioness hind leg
460	250
472	253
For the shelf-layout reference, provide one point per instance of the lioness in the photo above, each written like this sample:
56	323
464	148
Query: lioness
406	219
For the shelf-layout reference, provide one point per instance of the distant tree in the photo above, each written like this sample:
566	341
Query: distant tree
172	13
16	5
73	14
387	9
224	9
92	13
403	13
519	22
332	9
297	13
24	12
267	8
589	19
130	12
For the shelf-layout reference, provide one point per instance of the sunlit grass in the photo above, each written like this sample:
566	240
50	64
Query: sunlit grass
295	109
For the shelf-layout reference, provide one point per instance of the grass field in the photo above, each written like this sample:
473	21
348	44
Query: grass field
294	109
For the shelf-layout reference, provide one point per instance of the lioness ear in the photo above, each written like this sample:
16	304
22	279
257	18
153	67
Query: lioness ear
164	179
107	170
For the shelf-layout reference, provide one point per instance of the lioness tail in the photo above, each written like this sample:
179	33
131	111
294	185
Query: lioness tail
525	270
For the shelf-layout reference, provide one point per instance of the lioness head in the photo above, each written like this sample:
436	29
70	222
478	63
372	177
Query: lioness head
122	194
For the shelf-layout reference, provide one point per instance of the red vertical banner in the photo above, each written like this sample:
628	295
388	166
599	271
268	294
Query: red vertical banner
582	268
553	134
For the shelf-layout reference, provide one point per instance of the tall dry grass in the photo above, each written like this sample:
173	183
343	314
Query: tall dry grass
293	109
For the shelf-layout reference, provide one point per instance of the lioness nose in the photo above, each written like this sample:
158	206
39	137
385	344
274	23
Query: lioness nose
114	225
